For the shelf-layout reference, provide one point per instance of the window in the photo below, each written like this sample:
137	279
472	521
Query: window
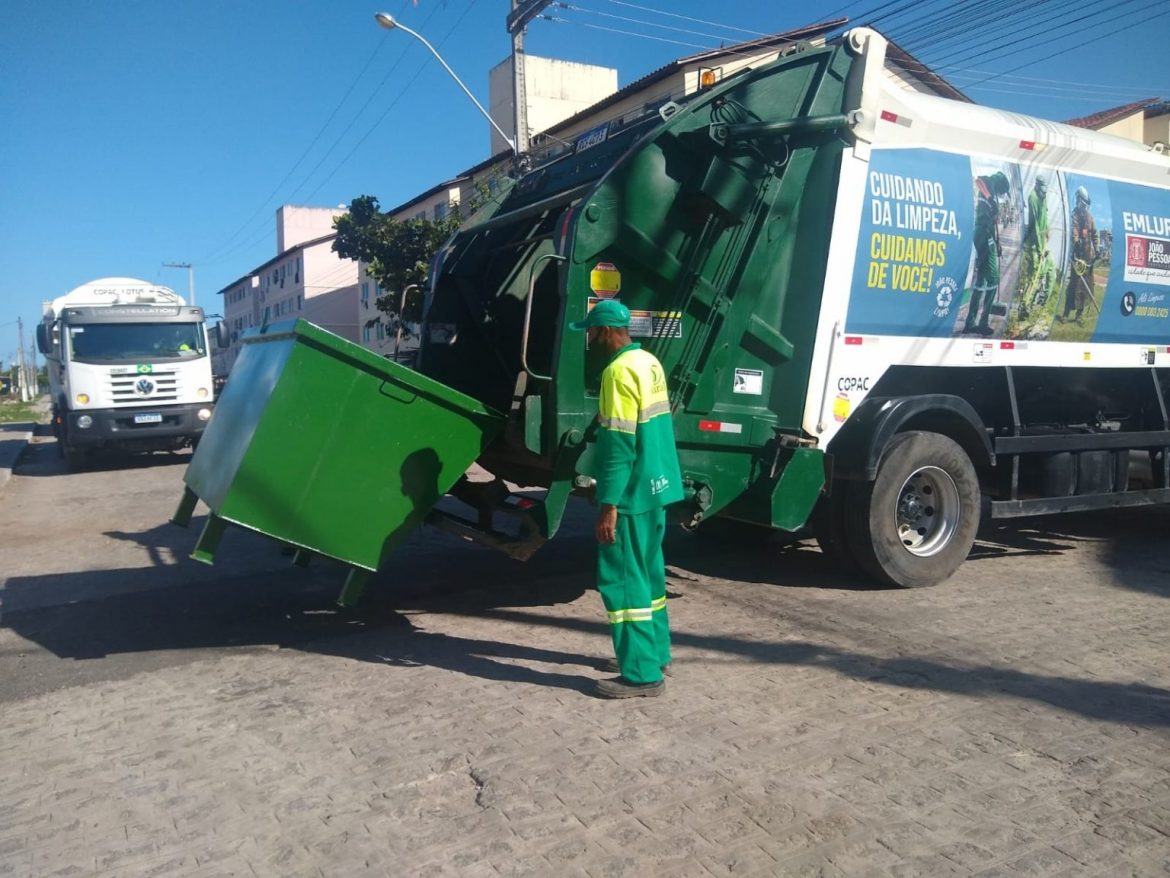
365	294
366	333
441	210
381	330
135	341
300	303
297	276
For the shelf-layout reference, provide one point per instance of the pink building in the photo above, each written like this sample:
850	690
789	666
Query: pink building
305	279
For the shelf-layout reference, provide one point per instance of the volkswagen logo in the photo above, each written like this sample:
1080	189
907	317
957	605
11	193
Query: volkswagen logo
144	387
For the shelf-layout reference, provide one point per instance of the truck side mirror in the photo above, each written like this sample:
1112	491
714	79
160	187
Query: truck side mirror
222	340
44	343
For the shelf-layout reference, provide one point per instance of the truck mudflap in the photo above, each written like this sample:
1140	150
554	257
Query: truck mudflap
331	449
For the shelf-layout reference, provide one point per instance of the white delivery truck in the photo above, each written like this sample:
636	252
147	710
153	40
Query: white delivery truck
128	368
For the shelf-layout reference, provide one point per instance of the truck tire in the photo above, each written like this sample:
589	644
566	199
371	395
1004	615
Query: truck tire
915	523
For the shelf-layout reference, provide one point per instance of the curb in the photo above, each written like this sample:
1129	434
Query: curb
13	439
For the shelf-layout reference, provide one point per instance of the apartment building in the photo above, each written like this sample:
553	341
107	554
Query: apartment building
305	279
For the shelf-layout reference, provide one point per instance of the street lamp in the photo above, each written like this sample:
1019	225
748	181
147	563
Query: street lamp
190	278
387	21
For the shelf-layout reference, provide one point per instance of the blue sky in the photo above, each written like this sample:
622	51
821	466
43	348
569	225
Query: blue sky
136	132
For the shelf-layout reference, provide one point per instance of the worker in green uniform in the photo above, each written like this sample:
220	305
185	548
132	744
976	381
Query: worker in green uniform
637	472
1084	251
985	283
1035	267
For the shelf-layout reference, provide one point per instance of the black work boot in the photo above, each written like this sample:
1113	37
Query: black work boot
620	687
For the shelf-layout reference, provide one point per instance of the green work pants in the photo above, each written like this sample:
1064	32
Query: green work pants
631	576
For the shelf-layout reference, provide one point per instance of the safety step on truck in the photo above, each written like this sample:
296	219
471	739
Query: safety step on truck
129	368
882	313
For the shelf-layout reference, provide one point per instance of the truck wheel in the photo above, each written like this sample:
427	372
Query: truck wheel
915	523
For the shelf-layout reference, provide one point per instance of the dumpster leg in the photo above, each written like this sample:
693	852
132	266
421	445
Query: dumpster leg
209	539
302	557
355	585
182	516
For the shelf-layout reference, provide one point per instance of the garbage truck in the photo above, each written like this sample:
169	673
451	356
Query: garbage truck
884	316
129	368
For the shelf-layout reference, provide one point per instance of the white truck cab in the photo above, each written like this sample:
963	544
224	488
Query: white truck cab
129	368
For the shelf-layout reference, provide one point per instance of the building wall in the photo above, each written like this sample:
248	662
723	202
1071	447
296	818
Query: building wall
555	90
330	290
378	331
1157	130
311	282
1132	127
436	205
296	224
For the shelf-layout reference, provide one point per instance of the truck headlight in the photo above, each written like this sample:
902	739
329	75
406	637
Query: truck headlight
204	414
201	393
83	398
84	421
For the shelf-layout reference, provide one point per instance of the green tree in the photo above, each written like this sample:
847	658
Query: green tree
397	253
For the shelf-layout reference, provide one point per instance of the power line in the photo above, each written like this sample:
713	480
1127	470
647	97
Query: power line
356	116
217	254
276	189
688	18
1041	28
1119	30
625	18
386	112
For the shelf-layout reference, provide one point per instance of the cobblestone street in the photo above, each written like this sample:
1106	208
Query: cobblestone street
163	718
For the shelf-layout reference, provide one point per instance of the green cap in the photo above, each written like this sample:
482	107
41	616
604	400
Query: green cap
607	312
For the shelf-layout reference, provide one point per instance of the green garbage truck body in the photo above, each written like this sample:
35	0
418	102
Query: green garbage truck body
880	312
797	247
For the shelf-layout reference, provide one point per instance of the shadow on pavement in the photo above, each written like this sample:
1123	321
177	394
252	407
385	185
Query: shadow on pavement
42	459
269	610
178	612
1133	542
1124	703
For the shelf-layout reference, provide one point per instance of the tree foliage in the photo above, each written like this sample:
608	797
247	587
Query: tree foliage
397	253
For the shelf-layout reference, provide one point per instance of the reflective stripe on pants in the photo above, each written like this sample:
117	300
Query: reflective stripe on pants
631	576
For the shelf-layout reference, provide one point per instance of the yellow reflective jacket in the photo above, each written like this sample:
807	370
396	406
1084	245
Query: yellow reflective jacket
637	461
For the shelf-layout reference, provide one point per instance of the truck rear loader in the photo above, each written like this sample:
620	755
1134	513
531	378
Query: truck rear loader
882	313
129	368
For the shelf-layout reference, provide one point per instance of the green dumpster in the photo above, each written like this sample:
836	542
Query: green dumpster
328	447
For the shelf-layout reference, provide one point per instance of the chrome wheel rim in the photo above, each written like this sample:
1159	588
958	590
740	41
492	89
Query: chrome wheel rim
927	513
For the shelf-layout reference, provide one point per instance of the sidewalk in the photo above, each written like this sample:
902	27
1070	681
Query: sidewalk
13	439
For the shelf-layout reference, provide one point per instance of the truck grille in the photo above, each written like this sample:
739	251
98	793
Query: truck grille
126	390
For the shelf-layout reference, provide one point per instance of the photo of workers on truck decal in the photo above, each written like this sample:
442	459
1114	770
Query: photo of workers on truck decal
1030	256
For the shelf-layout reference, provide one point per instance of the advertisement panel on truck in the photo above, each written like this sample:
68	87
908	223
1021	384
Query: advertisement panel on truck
955	245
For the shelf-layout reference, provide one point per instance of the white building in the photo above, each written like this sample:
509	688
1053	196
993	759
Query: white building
305	279
555	90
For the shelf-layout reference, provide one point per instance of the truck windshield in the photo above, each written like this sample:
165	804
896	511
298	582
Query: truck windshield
136	341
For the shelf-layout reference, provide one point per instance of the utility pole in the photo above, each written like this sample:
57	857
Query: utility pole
190	278
21	368
34	379
523	11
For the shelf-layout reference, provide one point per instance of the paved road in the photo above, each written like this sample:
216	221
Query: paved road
160	717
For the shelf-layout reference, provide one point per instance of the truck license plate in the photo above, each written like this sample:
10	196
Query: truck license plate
152	418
